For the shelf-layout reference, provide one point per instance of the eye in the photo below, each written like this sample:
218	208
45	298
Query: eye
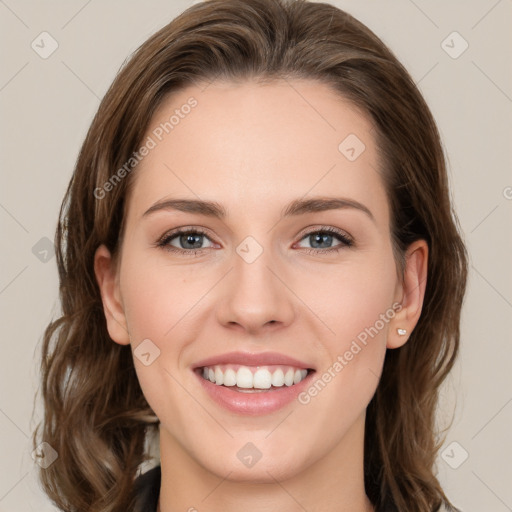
321	240
184	240
189	241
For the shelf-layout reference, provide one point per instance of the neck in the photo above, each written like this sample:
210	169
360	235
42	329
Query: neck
334	483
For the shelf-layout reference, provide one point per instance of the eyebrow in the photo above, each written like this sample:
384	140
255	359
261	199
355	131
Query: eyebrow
295	208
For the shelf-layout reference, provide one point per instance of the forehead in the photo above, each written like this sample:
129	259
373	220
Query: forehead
248	144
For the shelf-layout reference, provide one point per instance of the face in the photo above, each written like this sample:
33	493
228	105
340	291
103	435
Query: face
287	279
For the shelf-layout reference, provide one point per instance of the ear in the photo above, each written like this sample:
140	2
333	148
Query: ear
108	282
410	294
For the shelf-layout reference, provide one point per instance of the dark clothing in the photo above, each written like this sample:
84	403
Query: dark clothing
147	489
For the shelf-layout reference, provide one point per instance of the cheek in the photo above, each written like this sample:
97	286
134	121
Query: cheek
354	299
160	304
358	311
157	298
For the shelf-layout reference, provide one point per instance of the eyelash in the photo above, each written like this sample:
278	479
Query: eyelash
163	242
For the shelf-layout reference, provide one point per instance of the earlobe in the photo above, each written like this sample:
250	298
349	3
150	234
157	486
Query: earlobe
412	294
106	277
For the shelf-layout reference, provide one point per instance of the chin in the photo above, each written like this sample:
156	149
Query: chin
262	472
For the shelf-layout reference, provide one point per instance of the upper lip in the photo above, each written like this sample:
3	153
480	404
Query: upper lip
253	359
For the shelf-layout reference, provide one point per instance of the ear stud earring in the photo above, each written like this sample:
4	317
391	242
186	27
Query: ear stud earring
401	332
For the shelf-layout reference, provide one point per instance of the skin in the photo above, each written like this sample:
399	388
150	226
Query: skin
254	148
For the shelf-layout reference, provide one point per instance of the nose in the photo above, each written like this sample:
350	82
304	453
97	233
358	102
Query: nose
255	296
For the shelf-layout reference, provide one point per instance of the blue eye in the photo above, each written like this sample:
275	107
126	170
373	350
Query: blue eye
190	241
325	236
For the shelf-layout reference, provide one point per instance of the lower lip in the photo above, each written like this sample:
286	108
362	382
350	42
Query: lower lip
255	403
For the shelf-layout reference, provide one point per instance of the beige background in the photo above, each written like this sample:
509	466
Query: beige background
48	104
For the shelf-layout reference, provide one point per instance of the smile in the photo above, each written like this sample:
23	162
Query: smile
253	383
253	379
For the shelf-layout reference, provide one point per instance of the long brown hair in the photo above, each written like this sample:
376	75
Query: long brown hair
95	415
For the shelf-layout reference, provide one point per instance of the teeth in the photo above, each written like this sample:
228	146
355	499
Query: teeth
262	379
219	376
229	377
278	378
246	377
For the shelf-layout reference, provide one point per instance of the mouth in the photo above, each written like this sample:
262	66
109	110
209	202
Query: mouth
253	384
253	379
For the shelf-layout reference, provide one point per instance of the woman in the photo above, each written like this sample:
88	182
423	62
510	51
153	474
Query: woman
259	262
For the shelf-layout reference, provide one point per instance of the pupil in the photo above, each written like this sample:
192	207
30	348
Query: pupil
320	237
190	238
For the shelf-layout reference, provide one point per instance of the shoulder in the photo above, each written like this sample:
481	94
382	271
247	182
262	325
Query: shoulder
147	490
